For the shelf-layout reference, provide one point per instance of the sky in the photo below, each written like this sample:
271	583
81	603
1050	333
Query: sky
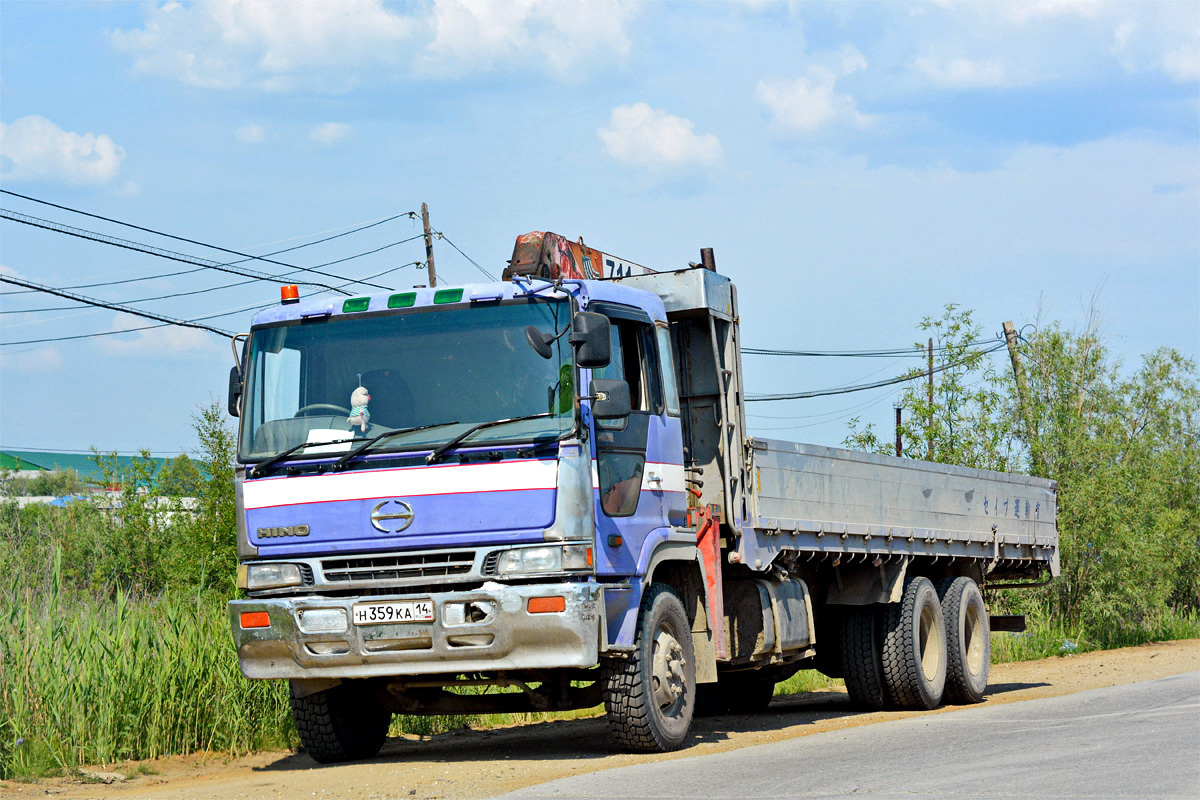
855	166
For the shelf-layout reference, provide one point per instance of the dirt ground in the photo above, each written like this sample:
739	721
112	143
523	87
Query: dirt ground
470	764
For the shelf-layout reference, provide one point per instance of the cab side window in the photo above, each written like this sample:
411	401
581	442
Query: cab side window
621	444
635	361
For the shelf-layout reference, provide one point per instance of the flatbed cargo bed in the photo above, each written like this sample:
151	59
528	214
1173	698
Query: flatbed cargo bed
818	499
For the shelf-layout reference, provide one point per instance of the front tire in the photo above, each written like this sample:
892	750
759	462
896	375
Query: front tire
914	647
968	640
345	723
651	695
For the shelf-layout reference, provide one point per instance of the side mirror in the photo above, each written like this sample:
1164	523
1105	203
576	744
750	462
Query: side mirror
540	342
610	399
235	390
591	339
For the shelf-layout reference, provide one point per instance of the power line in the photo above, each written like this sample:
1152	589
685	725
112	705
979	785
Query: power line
914	350
862	387
446	238
114	283
58	227
357	229
833	417
253	307
113	306
362	281
183	238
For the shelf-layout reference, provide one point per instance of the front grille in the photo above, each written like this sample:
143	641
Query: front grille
490	562
399	567
306	574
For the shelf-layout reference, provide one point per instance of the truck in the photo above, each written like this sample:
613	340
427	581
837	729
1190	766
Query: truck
539	494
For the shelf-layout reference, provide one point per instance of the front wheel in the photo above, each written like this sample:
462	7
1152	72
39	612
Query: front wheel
345	723
650	695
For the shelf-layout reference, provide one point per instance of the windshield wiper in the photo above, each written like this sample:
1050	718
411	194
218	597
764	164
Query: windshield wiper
263	466
442	448
369	443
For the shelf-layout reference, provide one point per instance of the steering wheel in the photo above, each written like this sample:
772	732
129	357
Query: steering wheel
314	406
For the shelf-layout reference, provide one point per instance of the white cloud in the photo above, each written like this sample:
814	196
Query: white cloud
482	34
1182	64
251	134
167	340
329	133
642	136
34	148
810	102
280	45
1042	41
1021	13
963	73
269	44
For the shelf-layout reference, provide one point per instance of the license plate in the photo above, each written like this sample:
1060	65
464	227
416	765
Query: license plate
379	613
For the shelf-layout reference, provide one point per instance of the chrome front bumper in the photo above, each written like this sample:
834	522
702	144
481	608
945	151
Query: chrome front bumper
510	638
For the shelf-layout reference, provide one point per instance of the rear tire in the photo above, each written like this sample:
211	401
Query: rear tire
345	723
914	647
651	695
968	640
862	662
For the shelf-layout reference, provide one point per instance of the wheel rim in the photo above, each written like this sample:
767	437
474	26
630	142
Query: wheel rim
667	676
973	636
931	653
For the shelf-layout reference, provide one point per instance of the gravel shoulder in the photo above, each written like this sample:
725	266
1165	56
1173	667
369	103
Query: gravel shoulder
477	764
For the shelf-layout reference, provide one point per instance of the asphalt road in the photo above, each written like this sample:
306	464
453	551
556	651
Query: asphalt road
1138	740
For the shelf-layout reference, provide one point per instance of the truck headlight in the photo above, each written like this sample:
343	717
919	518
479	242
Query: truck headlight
556	558
272	576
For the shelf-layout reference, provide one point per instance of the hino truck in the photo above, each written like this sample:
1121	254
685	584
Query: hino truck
539	494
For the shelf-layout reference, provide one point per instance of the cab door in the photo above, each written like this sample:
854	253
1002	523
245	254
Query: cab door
639	472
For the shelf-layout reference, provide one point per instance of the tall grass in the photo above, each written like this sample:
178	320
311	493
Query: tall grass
97	680
1048	637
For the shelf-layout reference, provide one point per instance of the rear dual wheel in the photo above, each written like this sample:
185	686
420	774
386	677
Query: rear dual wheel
968	640
862	662
914	647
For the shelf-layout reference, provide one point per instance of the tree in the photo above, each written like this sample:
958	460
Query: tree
963	422
179	478
1123	447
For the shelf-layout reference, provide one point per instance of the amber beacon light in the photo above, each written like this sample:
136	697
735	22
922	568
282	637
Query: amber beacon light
289	294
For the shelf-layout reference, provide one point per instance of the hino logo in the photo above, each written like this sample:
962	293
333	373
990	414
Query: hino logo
274	533
399	518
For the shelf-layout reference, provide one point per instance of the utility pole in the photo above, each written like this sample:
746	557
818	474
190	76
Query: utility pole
428	245
929	430
899	439
1010	338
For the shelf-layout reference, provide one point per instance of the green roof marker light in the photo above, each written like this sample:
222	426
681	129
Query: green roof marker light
402	300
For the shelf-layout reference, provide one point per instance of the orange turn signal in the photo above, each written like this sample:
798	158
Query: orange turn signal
256	619
289	294
547	605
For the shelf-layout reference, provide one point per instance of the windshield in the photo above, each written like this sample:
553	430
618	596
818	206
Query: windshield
331	382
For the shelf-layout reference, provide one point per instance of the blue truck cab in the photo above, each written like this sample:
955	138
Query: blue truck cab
461	480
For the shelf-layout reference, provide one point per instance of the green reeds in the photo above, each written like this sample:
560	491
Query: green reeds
87	680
